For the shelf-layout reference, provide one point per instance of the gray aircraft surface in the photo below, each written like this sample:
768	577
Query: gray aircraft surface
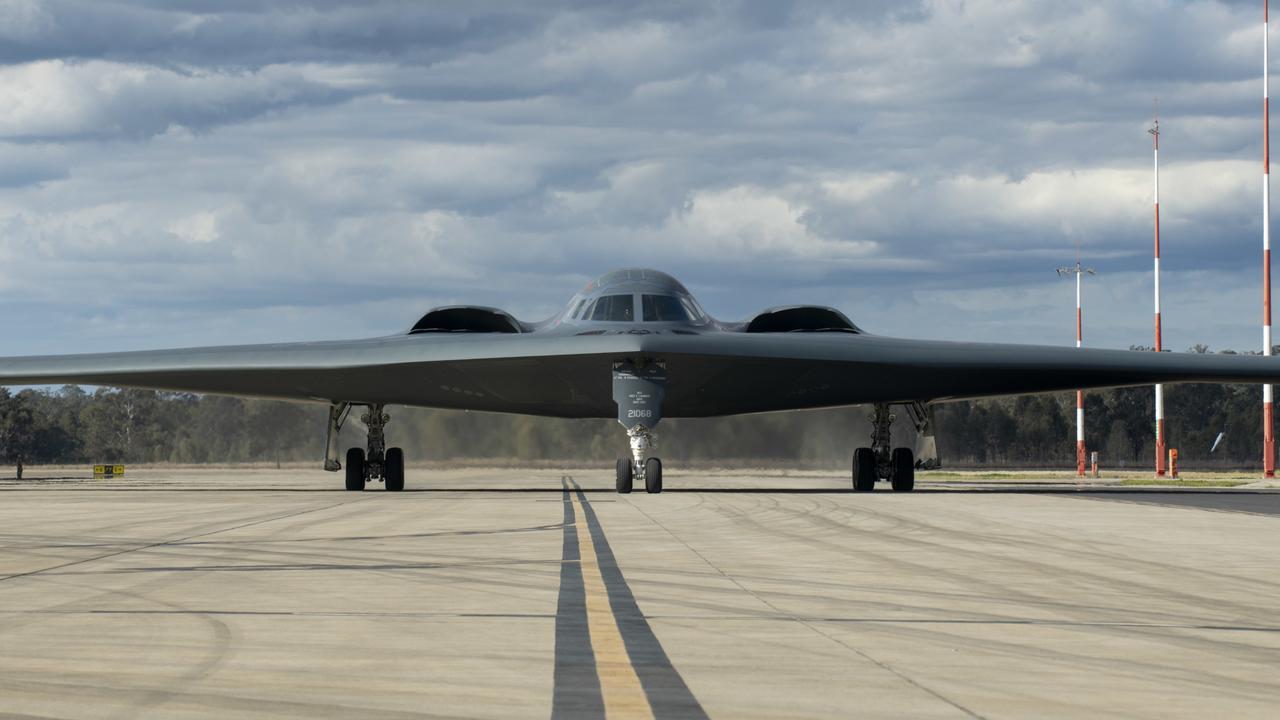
633	344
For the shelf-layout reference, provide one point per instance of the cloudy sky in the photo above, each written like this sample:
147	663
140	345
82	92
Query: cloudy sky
240	171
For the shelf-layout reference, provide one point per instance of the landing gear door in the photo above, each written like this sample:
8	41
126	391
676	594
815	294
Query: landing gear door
926	442
638	389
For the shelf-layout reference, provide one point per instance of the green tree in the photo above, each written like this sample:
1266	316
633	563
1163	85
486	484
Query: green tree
17	429
121	425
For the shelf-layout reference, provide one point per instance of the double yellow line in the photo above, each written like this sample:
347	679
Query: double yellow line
619	684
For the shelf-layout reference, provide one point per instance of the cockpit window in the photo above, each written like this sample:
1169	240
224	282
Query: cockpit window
614	308
663	308
577	311
696	313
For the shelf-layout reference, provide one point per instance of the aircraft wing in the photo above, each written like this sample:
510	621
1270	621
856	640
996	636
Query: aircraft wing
499	372
733	373
710	373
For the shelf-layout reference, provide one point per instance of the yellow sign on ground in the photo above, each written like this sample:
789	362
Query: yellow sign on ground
105	471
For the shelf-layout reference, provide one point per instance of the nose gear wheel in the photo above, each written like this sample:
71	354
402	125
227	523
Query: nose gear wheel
625	475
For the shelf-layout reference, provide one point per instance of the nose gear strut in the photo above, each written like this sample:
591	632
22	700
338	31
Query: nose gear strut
638	389
642	441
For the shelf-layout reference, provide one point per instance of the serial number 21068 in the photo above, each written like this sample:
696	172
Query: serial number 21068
639	413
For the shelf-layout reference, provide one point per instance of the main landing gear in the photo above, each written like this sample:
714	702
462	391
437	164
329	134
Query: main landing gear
878	462
365	465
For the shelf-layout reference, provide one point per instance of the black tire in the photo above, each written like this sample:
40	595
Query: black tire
355	469
864	470
626	475
393	470
653	475
904	470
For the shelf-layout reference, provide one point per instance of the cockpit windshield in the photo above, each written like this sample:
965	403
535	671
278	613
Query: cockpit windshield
670	308
611	308
662	308
634	295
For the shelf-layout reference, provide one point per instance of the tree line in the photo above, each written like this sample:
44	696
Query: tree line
73	426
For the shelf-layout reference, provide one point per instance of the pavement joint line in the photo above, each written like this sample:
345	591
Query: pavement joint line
771	617
807	623
783	617
170	541
296	567
302	613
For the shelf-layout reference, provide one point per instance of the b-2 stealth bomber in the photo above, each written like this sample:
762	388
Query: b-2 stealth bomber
633	344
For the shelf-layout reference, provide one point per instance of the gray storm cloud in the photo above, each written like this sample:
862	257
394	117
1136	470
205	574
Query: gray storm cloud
236	171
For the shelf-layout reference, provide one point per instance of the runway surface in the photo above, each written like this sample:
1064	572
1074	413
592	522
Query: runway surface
502	593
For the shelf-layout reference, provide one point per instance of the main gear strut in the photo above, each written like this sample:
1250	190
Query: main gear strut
881	424
373	462
375	459
880	462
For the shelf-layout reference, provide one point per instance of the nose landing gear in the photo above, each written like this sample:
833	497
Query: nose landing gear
638	388
638	468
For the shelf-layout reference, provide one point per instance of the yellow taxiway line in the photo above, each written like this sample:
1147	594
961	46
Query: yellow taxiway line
619	684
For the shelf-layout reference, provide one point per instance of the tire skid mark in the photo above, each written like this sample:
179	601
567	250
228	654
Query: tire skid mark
216	704
163	543
833	528
1050	570
940	635
813	627
1066	543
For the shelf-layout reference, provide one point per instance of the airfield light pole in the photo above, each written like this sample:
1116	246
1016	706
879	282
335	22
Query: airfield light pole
1268	424
1155	135
1079	273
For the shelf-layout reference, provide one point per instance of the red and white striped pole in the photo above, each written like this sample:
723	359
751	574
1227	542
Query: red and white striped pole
1079	272
1080	454
1160	444
1268	425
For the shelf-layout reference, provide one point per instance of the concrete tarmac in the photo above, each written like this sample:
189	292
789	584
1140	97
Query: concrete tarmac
506	593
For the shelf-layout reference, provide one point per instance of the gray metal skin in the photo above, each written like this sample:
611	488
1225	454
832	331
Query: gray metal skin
552	368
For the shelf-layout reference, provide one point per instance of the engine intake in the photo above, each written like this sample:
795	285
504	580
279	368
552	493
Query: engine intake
801	318
467	318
